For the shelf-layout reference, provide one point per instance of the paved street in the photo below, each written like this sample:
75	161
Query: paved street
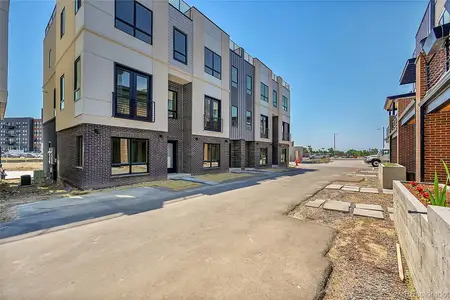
231	244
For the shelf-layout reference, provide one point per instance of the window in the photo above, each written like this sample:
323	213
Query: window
284	103
264	92
77	79
78	4
129	156
50	58
211	155
173	98
133	95
249	119
249	85
283	156
135	19
264	126
234	116
212	117
179	46
80	151
234	77
61	93
285	131
62	25
213	63
275	98
445	18
263	156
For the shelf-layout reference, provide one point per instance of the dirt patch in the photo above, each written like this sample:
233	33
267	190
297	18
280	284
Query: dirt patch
22	166
366	182
222	177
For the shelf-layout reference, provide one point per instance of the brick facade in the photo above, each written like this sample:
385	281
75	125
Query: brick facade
407	148
280	149
393	149
198	142
253	154
238	153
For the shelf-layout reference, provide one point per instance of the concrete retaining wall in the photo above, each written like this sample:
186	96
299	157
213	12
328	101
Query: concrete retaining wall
387	175
425	243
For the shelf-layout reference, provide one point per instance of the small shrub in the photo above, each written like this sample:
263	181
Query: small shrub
438	197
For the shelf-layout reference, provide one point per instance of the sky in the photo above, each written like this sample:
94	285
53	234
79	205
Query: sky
341	58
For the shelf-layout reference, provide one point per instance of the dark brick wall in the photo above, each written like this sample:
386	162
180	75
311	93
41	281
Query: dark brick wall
253	154
238	154
96	170
402	104
187	127
275	138
407	147
197	154
393	150
175	126
280	148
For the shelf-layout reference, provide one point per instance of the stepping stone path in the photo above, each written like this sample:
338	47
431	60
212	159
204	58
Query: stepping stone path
368	213
334	186
337	206
369	206
315	203
350	188
369	190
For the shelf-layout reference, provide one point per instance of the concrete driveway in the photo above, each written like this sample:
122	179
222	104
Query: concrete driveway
232	245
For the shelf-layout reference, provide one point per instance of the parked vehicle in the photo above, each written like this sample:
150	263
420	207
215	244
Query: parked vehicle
375	160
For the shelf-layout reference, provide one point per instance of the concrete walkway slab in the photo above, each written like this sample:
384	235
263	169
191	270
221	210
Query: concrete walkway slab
315	203
368	190
369	206
388	191
368	213
350	188
337	206
334	186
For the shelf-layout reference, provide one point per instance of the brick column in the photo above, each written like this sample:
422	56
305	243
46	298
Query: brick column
421	89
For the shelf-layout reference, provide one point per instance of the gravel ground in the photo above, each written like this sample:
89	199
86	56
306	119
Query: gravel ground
364	251
366	182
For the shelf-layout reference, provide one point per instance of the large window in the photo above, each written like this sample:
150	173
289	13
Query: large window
77	79
61	93
249	119
263	156
134	19
283	156
249	84
62	25
78	4
234	116
213	63
264	92
264	126
179	46
284	103
173	99
234	77
212	117
80	151
129	156
275	98
211	155
133	95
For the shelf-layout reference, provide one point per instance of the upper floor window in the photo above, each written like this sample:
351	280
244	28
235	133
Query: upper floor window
61	93
62	28
234	115
249	119
78	4
77	79
172	104
213	63
284	103
275	98
264	128
264	92
212	117
179	46
249	84
234	77
132	95
50	58
134	19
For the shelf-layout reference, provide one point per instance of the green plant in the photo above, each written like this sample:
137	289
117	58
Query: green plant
439	198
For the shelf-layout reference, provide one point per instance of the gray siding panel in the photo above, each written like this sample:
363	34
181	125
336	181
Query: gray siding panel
184	24
241	99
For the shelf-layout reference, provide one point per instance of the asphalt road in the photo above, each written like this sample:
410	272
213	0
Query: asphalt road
234	244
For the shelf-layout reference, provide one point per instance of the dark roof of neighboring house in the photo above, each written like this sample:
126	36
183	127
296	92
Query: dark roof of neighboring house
389	99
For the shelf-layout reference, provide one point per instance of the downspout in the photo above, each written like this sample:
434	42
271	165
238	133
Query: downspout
422	143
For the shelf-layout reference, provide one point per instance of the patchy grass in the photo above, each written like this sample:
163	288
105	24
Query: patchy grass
222	177
174	185
22	166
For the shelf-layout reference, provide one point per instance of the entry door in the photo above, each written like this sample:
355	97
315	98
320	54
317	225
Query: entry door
171	157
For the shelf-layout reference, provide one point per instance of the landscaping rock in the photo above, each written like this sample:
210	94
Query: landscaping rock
369	190
368	213
315	203
350	188
369	206
334	186
337	206
391	216
391	210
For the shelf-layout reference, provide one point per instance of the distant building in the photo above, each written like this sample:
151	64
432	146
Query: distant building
16	134
37	135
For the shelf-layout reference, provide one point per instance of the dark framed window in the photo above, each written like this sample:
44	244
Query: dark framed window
211	155
179	46
275	98
132	99
284	103
249	84
264	126
172	104
135	19
234	116
285	131
78	4
249	119
283	158
213	63
129	156
61	92
264	92
234	77
62	25
80	151
77	79
212	117
263	156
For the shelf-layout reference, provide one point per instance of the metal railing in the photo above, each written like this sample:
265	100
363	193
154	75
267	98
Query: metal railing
212	124
392	123
52	17
286	136
264	133
248	58
182	7
285	84
235	48
132	110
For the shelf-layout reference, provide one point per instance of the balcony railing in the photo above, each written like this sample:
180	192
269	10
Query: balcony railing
392	123
264	133
50	22
248	58
235	48
129	109
212	124
286	136
285	84
182	7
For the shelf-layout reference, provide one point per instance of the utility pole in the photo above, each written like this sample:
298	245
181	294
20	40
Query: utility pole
334	141
382	145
